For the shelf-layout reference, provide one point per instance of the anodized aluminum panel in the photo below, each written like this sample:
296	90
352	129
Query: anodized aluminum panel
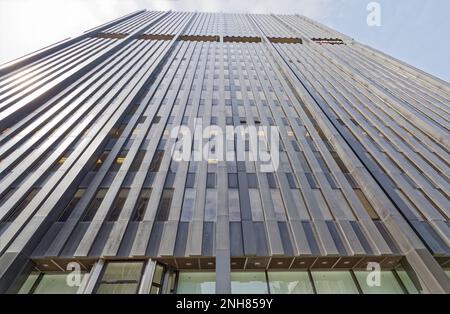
361	139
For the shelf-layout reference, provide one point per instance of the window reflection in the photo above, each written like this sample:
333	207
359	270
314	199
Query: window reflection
287	282
334	282
48	283
120	278
196	283
249	282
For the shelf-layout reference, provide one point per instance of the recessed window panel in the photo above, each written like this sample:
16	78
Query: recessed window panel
334	282
156	162
190	180
291	180
232	180
211	180
311	180
118	205
170	180
196	283
271	180
117	132
164	205
137	160
7	195
249	283
11	216
73	202
365	202
290	282
94	205
141	204
252	181
120	159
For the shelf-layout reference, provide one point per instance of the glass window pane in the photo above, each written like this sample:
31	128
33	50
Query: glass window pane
121	278
190	180
54	284
211	180
28	284
69	208
334	282
290	282
158	276
196	283
156	162
137	160
170	288
249	282
94	205
122	271
448	273
19	208
118	204
122	288
407	282
388	283
164	205
100	161
141	204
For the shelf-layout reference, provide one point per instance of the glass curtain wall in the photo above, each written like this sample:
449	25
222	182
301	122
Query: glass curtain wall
121	277
196	283
49	283
300	282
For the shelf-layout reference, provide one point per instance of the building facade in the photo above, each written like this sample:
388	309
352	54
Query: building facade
92	199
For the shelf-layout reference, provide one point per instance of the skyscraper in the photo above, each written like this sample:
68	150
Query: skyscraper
181	152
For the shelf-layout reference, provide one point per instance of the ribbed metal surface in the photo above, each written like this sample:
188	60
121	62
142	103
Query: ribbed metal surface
137	22
85	154
172	24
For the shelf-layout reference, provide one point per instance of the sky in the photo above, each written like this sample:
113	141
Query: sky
415	31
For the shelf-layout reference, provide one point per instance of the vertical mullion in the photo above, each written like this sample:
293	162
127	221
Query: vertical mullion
36	283
311	280
358	286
